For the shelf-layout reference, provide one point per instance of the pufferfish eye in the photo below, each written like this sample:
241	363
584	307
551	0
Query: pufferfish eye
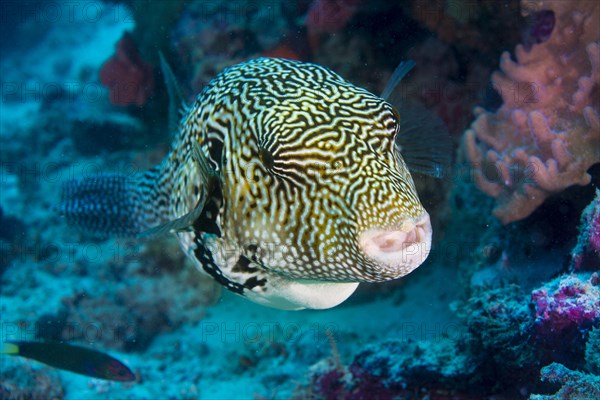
267	158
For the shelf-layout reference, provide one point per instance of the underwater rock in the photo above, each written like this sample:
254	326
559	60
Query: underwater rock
24	382
394	368
12	237
154	21
592	351
567	301
66	131
142	291
575	385
109	133
443	81
330	15
500	323
566	309
481	27
539	28
209	36
50	327
115	322
10	228
586	254
347	54
129	318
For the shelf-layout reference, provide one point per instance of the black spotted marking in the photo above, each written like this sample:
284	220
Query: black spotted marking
207	222
211	268
215	150
243	265
253	282
252	248
267	158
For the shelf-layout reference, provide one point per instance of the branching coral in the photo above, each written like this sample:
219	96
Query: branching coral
547	132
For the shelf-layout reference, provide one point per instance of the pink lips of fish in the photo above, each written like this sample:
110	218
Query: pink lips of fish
400	250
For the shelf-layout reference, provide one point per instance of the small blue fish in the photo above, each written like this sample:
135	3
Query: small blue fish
285	183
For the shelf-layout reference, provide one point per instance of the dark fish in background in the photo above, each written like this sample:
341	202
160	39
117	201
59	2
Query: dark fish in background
79	360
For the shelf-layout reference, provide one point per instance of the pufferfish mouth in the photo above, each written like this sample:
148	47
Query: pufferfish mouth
398	251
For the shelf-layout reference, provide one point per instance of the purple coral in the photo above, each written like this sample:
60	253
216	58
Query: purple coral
393	369
540	27
587	252
594	228
572	303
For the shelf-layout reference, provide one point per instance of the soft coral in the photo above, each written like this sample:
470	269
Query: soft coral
129	78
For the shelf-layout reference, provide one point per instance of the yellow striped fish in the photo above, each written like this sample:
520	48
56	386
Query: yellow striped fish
285	183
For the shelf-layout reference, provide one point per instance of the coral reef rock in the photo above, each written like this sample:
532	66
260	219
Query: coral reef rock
575	385
586	253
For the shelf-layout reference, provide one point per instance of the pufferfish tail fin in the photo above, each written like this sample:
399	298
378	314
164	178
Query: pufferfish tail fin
165	199
115	204
143	204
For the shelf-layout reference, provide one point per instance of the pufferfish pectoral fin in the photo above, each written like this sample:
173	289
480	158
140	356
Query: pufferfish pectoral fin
423	140
208	180
180	224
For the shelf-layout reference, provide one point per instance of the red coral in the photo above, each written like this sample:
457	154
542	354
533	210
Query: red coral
129	78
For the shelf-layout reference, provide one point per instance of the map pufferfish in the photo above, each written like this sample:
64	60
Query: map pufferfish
285	183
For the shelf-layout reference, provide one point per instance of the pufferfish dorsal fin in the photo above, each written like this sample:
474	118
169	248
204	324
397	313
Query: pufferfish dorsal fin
423	139
399	73
208	179
176	100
